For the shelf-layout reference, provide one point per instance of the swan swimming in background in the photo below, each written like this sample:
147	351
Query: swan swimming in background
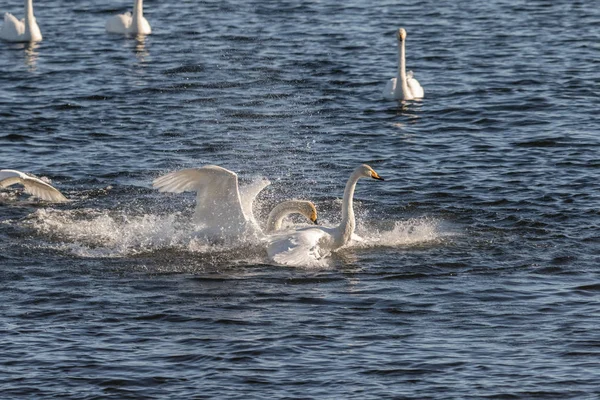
25	30
130	23
222	207
309	246
404	86
32	185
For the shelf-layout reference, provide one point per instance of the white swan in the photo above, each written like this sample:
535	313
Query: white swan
282	210
310	246
130	23
34	186
404	86
25	30
222	207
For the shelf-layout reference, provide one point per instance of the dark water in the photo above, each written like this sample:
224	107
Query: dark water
484	282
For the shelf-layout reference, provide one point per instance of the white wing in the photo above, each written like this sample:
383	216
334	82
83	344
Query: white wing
389	92
119	23
303	248
12	29
413	85
248	194
32	185
218	204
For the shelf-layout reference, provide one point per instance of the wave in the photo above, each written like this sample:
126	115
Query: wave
97	233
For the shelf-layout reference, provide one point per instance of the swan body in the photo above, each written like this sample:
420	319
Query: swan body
404	86
134	23
224	208
25	30
32	185
310	246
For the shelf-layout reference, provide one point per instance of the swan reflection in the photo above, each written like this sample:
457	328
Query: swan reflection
31	55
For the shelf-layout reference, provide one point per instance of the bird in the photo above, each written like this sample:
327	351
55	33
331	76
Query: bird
311	246
283	209
25	30
32	185
223	208
130	23
404	86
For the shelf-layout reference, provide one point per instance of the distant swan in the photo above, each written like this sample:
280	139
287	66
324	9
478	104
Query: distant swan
32	185
25	30
128	23
309	246
404	86
224	208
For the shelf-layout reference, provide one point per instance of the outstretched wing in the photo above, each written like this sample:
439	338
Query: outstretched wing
32	185
414	86
218	204
303	248
248	194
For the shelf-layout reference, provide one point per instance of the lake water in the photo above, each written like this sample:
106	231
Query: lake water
481	279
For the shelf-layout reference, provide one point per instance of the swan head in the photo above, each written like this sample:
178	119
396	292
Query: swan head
308	209
366	171
401	34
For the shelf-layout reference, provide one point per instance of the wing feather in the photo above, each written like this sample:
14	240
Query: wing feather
32	185
218	204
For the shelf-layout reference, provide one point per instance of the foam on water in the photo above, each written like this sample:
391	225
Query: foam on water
98	233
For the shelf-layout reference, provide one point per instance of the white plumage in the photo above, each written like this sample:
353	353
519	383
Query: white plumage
32	185
222	207
404	86
25	30
133	23
309	247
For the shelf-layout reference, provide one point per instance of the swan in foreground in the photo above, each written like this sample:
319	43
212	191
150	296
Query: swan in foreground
130	23
34	186
310	246
25	30
222	207
404	86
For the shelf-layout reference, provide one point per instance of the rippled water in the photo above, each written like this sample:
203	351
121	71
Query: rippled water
480	278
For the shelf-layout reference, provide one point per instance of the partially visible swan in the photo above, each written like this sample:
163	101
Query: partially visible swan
282	210
32	185
25	30
130	23
310	246
222	207
403	86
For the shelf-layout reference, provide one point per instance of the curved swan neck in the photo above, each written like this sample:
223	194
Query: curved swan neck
29	18
282	210
402	67
138	9
348	221
277	215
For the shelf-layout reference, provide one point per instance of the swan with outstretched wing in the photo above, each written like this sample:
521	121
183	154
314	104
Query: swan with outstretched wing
32	185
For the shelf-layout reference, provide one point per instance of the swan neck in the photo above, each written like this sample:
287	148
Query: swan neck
138	9
402	66
29	18
276	217
348	221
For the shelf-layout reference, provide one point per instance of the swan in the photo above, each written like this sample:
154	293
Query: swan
409	87
25	30
282	210
32	185
310	246
224	208
130	23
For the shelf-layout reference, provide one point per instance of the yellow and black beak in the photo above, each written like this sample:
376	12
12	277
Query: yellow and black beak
315	221
375	175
